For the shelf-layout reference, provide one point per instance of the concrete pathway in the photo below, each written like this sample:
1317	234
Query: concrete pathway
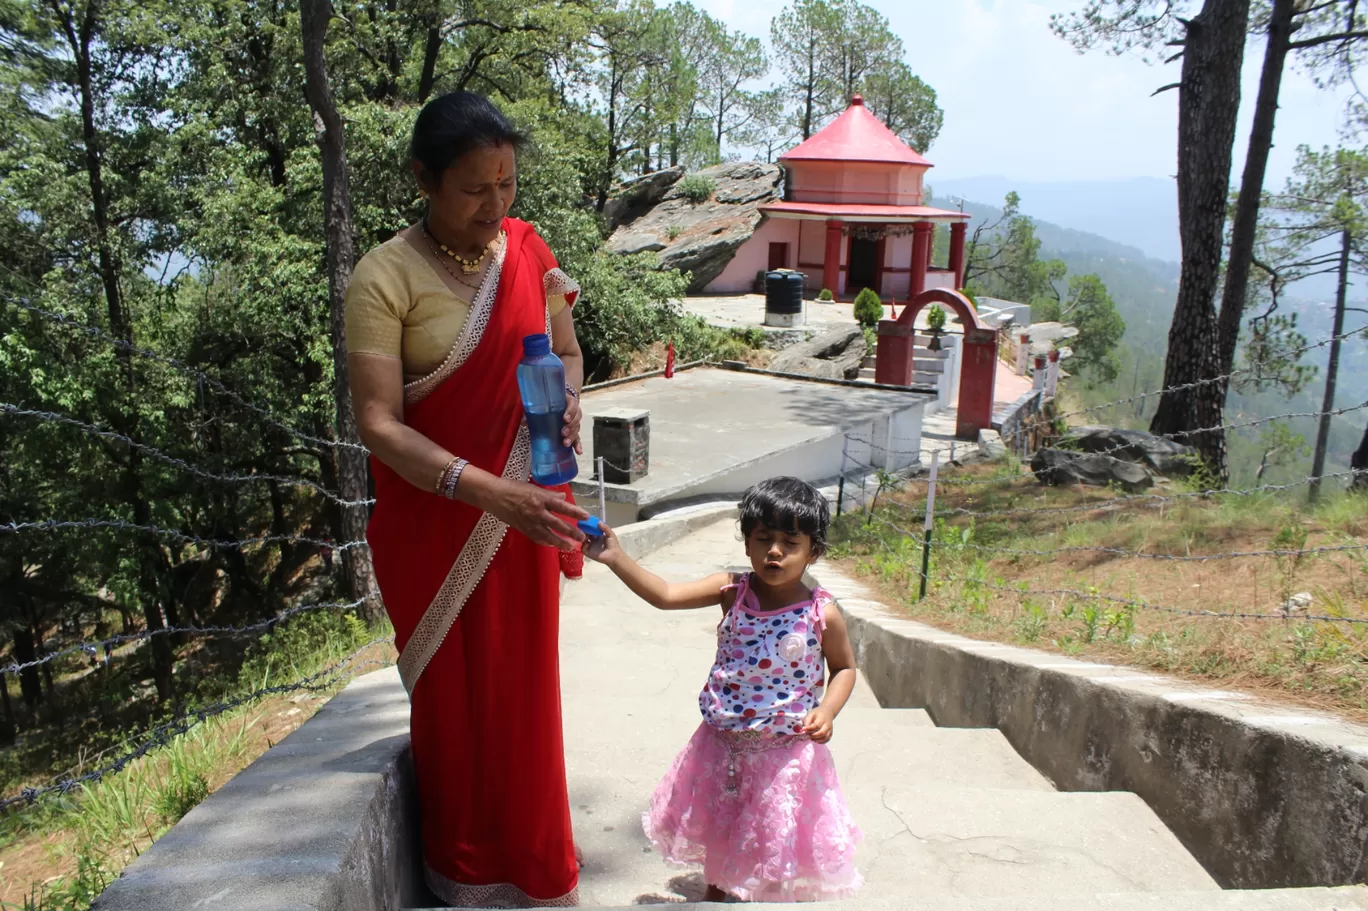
953	818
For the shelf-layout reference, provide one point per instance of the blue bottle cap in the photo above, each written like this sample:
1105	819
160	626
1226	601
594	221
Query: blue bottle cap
591	527
533	345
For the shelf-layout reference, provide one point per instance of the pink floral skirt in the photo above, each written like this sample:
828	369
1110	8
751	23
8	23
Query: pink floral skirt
764	816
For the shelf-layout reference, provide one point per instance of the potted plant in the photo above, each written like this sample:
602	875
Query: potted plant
935	324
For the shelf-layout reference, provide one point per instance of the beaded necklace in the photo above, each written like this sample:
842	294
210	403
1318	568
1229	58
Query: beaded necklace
468	266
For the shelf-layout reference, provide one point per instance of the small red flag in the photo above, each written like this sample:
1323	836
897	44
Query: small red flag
669	362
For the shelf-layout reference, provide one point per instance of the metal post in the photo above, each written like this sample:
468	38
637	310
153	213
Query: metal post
603	508
840	490
930	522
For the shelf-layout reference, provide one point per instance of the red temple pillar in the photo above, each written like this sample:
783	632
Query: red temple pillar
831	264
921	249
957	252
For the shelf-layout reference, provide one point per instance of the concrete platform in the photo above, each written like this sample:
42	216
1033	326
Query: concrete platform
714	433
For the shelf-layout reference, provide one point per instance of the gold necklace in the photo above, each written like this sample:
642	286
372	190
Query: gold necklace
432	245
468	266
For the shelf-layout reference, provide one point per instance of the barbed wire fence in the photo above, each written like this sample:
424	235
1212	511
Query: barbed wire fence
897	523
101	652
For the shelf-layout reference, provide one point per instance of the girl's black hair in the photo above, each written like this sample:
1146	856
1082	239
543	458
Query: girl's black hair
787	505
453	125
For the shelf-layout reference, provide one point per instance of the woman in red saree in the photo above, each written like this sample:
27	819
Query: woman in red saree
467	552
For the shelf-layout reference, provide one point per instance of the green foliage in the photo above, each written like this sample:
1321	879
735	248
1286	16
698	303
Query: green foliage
674	231
828	50
935	317
868	309
826	295
697	188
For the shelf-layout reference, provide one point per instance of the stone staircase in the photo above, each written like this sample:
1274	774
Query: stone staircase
927	365
953	819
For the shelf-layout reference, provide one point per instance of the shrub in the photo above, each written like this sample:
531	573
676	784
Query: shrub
826	295
935	317
674	231
868	308
697	188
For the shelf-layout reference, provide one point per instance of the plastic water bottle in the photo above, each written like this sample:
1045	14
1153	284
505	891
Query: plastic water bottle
541	381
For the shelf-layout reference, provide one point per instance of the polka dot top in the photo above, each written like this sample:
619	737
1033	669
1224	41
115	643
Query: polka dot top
768	673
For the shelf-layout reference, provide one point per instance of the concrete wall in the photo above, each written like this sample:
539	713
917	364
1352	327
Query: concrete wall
753	256
1262	795
855	183
324	820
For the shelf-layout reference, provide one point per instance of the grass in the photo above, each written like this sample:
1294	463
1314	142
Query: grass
61	853
1059	600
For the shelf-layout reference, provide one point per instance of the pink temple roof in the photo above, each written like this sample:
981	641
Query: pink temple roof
863	212
857	135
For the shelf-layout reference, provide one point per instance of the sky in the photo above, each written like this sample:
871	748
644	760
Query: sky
1020	103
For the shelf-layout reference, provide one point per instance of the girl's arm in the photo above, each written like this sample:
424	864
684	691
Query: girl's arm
649	587
840	661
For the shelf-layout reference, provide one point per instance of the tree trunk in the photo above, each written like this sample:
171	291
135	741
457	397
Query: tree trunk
1251	183
811	89
125	420
1208	101
10	725
30	683
351	459
1331	368
431	48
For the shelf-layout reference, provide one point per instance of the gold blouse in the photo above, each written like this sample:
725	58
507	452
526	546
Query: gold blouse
398	306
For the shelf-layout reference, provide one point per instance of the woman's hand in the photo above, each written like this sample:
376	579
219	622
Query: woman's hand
545	516
571	433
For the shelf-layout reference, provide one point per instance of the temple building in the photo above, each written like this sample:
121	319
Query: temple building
852	216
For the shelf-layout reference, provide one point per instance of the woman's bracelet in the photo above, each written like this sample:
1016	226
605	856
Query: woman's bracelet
450	477
571	391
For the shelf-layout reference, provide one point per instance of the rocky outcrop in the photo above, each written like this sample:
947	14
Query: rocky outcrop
835	355
1059	467
635	197
1161	456
701	238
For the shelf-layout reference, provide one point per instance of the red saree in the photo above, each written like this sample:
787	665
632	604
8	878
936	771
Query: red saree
475	608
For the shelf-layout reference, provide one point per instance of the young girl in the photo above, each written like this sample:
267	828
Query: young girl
753	796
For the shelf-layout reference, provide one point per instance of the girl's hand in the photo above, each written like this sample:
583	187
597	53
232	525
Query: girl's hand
606	550
545	516
817	724
571	433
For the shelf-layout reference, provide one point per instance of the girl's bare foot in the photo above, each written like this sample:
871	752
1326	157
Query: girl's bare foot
714	894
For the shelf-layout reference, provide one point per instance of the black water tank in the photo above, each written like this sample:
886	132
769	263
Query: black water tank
784	291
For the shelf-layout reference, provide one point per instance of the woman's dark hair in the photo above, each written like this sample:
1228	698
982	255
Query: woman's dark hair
790	506
453	125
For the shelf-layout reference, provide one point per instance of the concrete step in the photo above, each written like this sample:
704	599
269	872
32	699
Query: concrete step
873	754
1345	898
867	373
969	841
921	377
928	365
869	361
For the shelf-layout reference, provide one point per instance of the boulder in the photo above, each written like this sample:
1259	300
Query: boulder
1060	467
1161	456
701	238
633	198
834	355
628	244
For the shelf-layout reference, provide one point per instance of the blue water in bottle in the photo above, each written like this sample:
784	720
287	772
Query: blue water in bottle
541	381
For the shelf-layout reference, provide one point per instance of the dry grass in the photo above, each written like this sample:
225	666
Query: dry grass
59	854
1057	601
